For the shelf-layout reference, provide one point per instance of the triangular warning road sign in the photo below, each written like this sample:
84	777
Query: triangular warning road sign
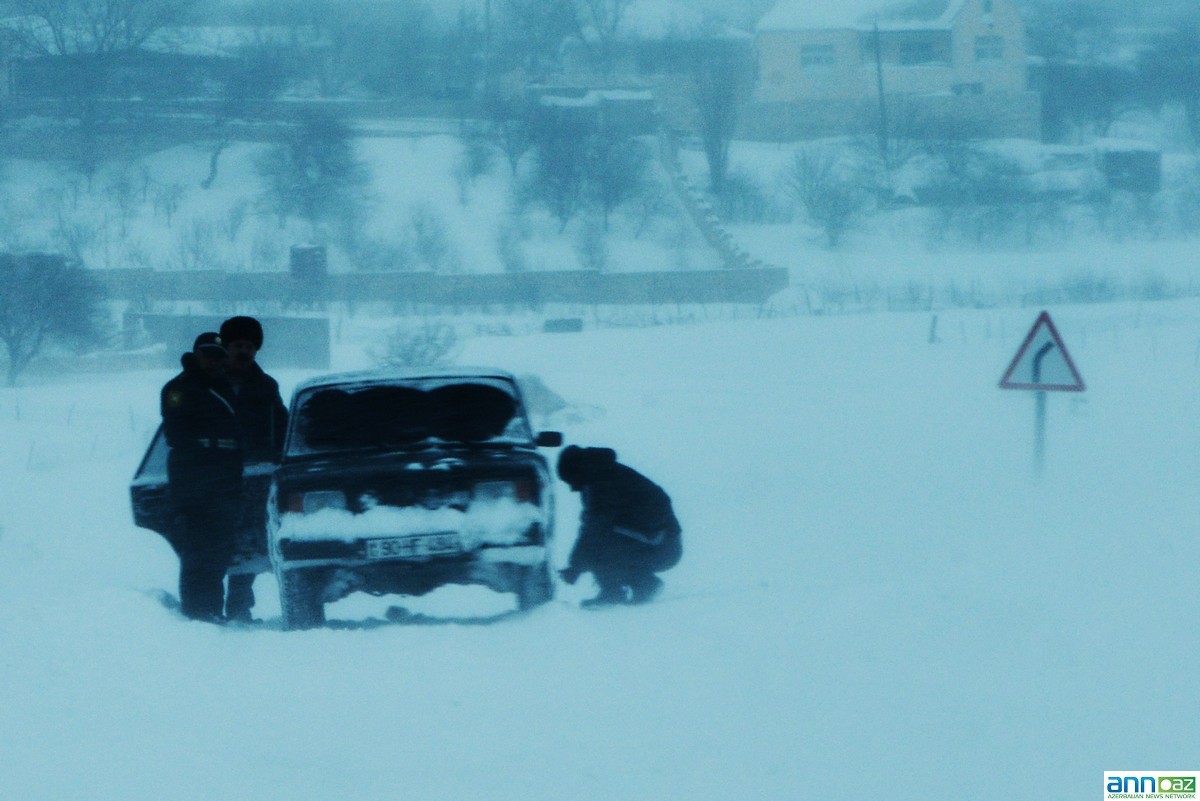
1042	362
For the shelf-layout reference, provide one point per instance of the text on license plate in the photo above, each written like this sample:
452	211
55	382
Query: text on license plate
419	546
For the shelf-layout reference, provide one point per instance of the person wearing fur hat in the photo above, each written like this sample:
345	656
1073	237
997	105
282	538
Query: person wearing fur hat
262	418
204	474
628	531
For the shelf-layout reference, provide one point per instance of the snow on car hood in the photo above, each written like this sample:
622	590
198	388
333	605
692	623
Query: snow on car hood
495	521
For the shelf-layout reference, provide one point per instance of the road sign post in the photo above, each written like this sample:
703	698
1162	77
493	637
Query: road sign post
1042	365
1039	434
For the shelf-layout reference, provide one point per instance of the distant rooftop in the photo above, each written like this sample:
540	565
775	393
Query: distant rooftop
800	15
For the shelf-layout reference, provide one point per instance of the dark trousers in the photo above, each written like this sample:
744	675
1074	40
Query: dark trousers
240	598
617	561
205	552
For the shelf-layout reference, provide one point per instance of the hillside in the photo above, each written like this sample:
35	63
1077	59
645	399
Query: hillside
414	214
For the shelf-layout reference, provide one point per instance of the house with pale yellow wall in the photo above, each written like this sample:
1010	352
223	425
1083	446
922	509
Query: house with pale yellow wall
821	66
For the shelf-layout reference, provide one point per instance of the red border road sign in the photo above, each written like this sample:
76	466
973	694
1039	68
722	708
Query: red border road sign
1042	354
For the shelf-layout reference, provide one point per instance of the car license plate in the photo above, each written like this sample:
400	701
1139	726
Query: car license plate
420	546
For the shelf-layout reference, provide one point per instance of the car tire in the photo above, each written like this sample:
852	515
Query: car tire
300	599
535	587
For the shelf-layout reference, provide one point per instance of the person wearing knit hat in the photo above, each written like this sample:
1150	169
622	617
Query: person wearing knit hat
628	531
262	419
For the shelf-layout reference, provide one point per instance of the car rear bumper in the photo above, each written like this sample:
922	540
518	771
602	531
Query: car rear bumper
500	568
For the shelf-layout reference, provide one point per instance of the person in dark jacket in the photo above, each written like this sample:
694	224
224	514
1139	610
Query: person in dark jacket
204	473
262	418
627	528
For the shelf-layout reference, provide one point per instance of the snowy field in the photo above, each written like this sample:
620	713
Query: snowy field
878	599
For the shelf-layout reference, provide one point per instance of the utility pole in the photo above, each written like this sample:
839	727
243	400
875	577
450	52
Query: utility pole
487	47
883	118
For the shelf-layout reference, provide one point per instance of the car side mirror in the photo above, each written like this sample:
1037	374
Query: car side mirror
549	439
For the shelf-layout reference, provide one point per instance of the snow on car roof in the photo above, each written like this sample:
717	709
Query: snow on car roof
404	374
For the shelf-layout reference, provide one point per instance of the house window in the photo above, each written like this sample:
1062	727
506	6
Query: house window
917	51
989	48
817	55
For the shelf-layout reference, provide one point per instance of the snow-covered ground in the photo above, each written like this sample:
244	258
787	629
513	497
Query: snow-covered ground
878	598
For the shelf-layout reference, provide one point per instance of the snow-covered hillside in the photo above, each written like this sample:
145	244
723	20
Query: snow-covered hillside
415	215
877	600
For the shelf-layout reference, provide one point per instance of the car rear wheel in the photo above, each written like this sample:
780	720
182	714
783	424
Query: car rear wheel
300	596
535	587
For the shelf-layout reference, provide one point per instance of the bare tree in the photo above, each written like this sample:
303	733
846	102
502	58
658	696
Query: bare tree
92	27
44	299
510	127
167	200
591	245
123	195
616	171
84	37
885	150
832	199
1069	30
195	247
397	48
460	65
954	141
533	31
560	177
599	22
474	162
510	247
315	173
651	202
1172	69
430	240
721	72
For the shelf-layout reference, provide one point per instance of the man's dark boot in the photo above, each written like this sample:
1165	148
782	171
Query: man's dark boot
610	595
645	589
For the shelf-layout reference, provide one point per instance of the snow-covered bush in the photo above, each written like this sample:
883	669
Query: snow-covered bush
822	182
744	200
431	344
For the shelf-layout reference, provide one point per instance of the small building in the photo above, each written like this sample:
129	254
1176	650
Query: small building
1130	166
626	112
822	68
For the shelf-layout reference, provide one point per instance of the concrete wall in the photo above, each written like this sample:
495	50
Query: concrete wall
287	342
748	285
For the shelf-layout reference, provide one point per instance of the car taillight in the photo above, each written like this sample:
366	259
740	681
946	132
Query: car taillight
310	502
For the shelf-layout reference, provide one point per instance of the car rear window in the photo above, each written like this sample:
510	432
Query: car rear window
398	416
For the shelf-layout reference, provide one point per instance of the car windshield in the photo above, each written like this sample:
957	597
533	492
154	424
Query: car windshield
355	417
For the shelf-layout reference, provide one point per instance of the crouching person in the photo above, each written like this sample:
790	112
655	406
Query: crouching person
627	529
